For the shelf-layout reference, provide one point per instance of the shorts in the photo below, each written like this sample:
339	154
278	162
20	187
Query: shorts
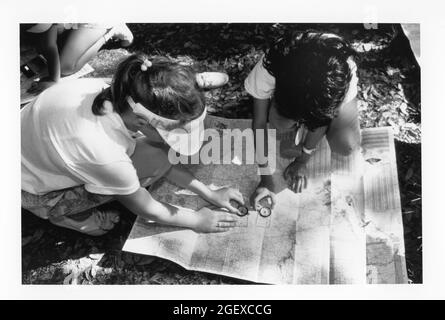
74	200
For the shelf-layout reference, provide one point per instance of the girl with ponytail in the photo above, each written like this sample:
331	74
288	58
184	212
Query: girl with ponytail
78	151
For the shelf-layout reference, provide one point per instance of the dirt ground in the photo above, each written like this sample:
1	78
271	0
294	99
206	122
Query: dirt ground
389	93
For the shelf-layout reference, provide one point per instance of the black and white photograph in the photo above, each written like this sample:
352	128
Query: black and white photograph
343	99
222	153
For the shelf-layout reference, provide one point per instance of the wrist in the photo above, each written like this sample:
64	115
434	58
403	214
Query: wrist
183	217
308	151
193	222
208	195
303	158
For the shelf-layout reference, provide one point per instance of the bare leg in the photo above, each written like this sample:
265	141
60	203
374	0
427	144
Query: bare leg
151	163
75	208
80	47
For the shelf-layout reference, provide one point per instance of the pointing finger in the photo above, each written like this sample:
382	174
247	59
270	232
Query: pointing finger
238	197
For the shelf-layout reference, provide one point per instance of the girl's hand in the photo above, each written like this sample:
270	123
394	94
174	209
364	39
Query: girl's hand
214	221
260	193
221	198
295	175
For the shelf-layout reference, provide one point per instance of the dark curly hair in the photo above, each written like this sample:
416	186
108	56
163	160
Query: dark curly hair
167	88
312	76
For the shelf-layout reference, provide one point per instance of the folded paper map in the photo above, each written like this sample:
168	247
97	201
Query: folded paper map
346	227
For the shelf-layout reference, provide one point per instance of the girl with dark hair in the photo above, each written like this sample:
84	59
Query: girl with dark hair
305	87
78	152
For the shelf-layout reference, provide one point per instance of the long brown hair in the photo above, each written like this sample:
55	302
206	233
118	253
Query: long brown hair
165	88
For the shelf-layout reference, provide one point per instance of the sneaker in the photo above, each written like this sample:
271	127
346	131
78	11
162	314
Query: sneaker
121	32
211	80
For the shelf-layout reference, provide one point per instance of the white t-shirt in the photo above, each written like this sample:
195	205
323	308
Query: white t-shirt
64	144
261	85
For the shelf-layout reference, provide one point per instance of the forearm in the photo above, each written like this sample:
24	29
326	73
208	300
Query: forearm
52	56
165	213
259	127
309	144
183	178
142	204
261	146
47	43
262	151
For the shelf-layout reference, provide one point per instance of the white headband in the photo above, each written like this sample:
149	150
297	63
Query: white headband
183	137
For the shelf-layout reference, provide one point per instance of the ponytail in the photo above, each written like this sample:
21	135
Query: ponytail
160	85
98	102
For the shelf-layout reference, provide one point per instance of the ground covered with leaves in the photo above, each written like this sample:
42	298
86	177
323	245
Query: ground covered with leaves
389	93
